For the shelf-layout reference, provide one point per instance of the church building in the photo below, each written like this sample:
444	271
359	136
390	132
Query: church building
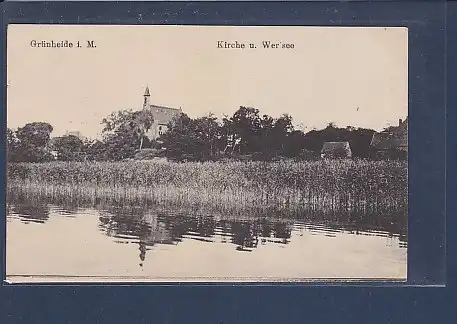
162	116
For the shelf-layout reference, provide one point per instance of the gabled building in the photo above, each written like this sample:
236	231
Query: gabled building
162	116
336	150
392	142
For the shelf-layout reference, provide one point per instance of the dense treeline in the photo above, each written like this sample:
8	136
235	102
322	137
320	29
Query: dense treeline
246	134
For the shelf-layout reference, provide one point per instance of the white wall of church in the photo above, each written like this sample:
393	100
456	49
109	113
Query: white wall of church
156	130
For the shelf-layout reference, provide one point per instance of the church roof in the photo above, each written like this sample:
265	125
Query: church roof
163	115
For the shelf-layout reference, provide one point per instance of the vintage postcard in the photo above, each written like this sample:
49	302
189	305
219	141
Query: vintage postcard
206	153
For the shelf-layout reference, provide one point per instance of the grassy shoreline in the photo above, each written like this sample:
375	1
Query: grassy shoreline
334	186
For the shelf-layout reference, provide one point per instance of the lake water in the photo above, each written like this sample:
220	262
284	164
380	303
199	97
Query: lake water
47	242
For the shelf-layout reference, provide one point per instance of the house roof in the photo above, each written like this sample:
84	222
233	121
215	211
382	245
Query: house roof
331	147
164	115
396	137
386	141
383	140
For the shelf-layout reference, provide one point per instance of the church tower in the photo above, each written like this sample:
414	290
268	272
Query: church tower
147	96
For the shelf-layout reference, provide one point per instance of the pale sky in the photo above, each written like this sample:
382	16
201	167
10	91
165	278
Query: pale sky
347	75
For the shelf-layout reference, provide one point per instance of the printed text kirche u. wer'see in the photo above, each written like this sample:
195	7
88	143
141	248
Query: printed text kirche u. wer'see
266	44
63	44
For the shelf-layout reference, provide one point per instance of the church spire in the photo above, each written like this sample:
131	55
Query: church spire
146	96
146	92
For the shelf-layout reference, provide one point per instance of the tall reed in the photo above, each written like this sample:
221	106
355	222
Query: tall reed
340	187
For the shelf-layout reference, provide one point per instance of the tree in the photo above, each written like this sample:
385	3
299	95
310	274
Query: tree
142	122
294	144
267	125
33	143
360	139
284	124
192	139
96	151
264	136
227	131
12	145
245	124
37	133
124	132
282	128
208	130
136	122
69	148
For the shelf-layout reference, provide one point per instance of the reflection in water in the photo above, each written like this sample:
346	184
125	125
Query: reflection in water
149	227
27	212
155	227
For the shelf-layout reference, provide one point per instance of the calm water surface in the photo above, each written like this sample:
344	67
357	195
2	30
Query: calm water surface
155	244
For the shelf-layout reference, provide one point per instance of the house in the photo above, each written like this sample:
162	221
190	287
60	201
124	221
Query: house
336	150
392	142
77	134
162	116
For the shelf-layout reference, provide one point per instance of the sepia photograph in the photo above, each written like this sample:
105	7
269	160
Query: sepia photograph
166	153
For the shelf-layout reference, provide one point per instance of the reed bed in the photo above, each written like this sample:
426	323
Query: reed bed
338	187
